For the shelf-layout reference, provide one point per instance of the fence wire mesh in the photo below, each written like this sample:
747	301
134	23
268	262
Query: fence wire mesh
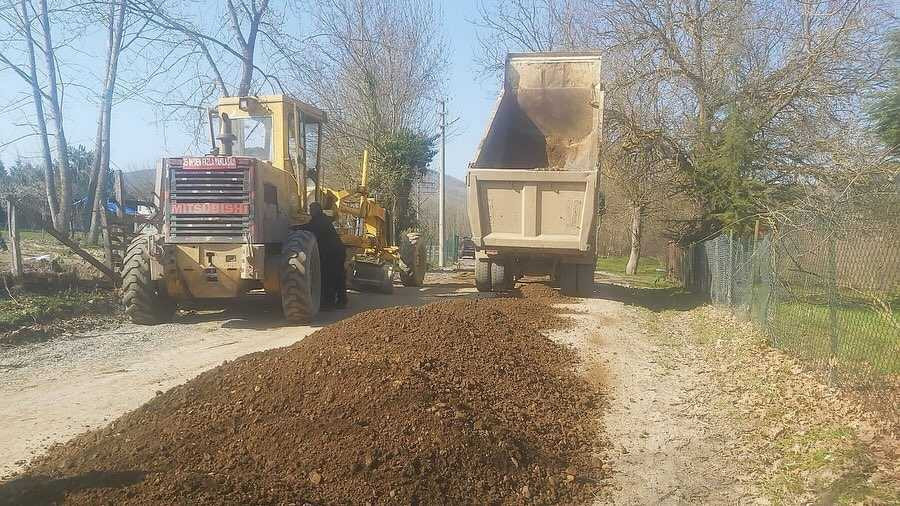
829	297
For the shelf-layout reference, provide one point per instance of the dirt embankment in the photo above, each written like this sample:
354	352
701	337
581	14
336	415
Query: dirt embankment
454	402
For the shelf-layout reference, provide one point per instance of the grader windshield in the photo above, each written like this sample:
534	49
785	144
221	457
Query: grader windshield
253	137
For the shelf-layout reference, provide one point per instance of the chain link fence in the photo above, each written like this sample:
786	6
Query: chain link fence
451	252
829	297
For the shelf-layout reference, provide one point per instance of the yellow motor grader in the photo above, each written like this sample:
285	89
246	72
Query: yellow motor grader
229	221
364	227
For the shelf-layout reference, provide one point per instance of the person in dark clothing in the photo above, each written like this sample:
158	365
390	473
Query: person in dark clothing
332	255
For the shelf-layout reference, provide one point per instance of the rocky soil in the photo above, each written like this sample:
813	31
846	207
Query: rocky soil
463	401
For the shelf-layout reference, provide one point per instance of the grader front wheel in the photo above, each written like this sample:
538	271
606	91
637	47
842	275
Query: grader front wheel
146	303
301	277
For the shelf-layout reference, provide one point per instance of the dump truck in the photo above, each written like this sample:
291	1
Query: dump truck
532	187
231	221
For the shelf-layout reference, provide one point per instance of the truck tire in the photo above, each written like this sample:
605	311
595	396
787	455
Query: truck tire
145	301
585	274
568	279
387	281
412	251
483	276
500	277
300	275
554	276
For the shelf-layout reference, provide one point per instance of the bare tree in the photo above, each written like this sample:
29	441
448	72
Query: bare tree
62	150
790	71
376	68
57	176
234	48
785	75
507	26
637	167
96	202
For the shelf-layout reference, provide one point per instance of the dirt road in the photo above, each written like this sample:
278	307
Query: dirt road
661	451
56	389
697	408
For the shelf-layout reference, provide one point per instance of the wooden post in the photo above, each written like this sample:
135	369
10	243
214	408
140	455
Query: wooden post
14	251
107	242
119	187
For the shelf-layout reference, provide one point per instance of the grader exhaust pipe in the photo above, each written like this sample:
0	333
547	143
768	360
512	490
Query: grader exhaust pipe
226	137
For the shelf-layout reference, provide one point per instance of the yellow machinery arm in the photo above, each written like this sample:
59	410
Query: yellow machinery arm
364	227
361	222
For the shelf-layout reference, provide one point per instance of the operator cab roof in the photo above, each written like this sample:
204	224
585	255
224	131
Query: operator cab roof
311	112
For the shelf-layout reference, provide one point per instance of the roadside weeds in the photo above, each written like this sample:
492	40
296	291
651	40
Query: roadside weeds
796	439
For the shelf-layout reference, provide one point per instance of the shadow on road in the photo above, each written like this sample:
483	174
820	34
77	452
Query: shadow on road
258	312
654	299
47	490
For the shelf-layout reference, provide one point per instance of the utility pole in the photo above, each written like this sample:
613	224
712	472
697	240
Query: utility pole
441	184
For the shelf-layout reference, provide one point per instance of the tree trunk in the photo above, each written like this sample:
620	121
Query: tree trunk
99	204
15	252
90	202
246	73
636	231
37	96
62	150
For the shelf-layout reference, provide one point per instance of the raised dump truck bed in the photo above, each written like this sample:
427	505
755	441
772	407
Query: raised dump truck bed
532	186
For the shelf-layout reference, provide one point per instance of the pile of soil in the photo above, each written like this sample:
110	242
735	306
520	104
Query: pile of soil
534	290
455	402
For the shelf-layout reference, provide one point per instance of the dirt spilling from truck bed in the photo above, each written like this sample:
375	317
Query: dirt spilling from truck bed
453	402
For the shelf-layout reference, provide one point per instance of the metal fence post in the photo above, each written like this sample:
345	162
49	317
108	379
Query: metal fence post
832	304
771	277
730	269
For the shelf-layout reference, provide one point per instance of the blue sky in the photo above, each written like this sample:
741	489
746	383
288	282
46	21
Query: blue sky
138	139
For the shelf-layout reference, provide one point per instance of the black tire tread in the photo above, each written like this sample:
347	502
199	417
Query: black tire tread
482	276
499	277
300	292
143	302
568	279
585	281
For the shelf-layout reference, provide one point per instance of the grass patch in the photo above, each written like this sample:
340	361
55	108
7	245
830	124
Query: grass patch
37	242
651	273
864	335
28	309
829	463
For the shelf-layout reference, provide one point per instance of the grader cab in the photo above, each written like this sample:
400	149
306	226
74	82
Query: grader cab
230	220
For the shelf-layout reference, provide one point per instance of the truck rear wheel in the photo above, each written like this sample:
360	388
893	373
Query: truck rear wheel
585	274
568	279
483	276
301	277
500	277
412	252
576	280
145	301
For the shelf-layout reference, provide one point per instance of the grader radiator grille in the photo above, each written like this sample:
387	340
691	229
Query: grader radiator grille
209	204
